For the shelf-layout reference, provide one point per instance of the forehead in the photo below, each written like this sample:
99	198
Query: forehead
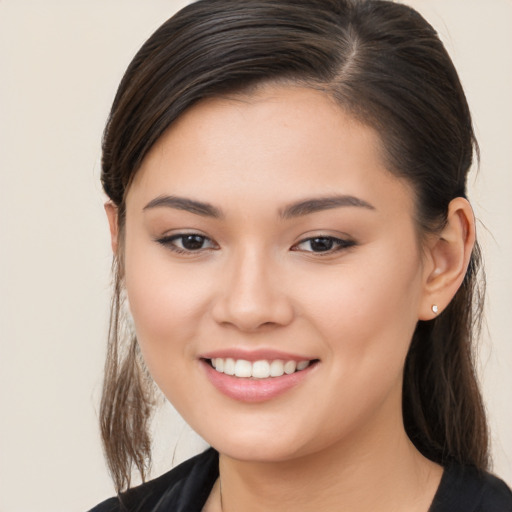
279	141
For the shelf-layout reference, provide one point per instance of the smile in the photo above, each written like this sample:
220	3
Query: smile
257	376
262	369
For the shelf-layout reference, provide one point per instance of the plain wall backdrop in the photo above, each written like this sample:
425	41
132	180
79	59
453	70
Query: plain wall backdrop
60	63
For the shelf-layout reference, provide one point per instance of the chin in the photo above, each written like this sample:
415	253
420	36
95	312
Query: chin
261	446
255	452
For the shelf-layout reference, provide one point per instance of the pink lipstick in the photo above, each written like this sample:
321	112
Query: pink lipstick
255	376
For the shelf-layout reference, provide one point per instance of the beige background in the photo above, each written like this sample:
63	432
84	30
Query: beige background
60	62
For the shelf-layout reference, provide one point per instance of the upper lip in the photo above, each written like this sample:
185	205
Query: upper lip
254	355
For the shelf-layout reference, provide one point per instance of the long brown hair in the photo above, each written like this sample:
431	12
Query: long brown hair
384	64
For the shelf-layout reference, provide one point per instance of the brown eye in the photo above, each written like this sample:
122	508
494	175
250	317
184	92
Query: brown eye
323	244
187	242
192	242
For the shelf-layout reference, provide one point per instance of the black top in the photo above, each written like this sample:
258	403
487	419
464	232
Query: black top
187	487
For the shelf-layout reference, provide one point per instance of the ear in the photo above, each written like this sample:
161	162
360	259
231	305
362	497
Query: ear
111	211
448	255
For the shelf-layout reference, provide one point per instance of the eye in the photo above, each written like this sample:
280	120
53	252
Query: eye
187	242
322	244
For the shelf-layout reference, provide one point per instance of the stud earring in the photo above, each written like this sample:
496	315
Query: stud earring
435	309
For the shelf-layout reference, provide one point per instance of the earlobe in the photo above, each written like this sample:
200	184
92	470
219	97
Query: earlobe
111	211
448	258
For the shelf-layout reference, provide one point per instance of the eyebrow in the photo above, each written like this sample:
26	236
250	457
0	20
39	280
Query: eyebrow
297	209
314	205
188	205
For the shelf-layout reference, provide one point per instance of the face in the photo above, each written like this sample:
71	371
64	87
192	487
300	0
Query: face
264	236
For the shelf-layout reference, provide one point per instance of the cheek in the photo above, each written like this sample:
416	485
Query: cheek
365	317
167	303
369	308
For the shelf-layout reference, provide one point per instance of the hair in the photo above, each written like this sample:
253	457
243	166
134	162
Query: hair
385	65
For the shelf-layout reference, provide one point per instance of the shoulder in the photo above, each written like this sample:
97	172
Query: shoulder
467	489
186	487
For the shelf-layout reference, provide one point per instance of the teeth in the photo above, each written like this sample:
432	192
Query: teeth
243	368
229	366
290	367
276	368
262	369
218	364
302	365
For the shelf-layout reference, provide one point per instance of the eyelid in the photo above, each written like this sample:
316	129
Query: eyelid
168	239
341	244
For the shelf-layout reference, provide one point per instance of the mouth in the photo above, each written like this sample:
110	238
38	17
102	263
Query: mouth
260	369
257	381
256	375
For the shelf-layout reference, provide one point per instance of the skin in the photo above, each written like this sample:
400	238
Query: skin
257	283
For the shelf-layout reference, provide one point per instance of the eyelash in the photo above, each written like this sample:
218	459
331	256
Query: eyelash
168	242
338	243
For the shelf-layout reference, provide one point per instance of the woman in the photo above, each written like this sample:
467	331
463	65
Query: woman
293	241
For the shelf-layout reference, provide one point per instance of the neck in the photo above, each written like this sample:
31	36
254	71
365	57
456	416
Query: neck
376	469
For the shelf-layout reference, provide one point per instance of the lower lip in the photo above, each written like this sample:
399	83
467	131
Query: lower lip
254	390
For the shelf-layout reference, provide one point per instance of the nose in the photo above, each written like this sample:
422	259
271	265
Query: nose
252	297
